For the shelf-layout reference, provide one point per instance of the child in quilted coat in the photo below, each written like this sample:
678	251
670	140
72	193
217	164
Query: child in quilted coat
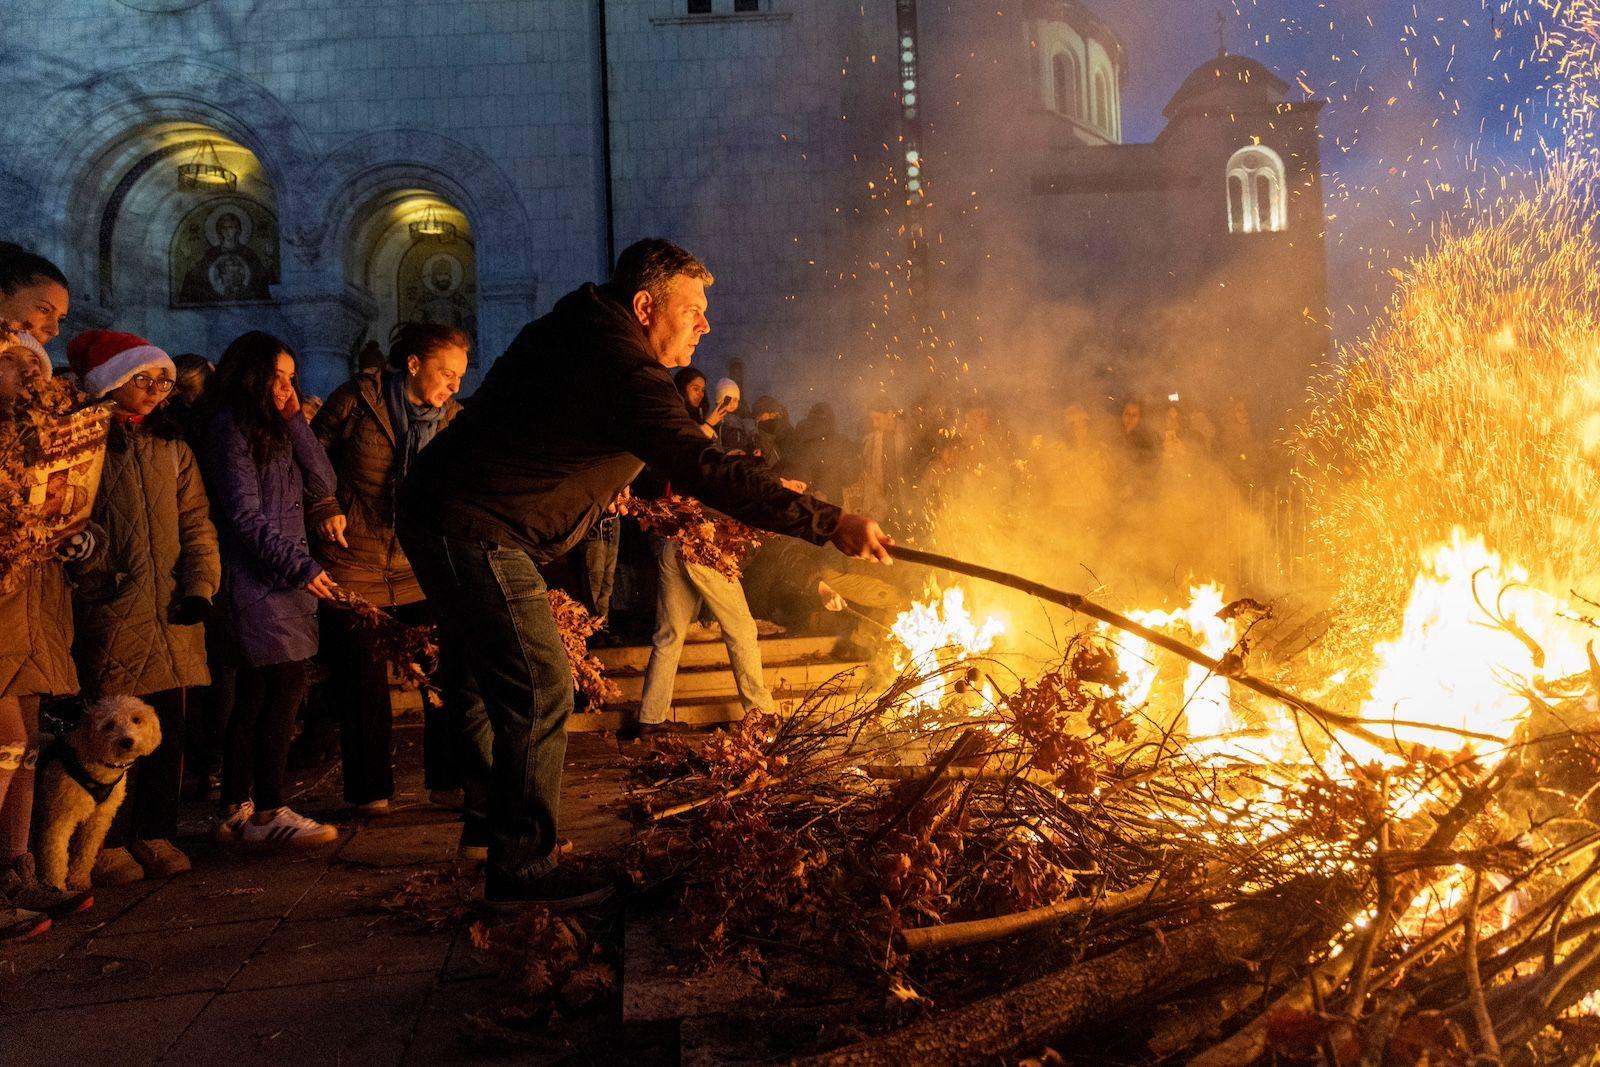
140	610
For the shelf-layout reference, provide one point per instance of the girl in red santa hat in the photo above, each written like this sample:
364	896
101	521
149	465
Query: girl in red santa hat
141	608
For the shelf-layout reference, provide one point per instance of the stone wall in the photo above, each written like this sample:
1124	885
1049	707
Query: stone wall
768	142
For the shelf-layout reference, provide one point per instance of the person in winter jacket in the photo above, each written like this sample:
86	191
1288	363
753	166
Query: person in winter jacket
140	610
565	419
264	470
35	612
821	456
372	427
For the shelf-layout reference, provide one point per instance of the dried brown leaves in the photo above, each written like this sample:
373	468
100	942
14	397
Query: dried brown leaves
1049	714
785	843
576	626
545	959
703	537
413	651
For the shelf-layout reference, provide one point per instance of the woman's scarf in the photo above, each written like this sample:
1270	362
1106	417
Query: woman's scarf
414	424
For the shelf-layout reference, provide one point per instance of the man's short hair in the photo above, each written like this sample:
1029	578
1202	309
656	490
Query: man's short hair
651	264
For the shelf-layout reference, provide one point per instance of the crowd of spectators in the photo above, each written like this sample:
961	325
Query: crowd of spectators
234	511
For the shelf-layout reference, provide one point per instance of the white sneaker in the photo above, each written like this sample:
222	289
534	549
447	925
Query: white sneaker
230	827
287	827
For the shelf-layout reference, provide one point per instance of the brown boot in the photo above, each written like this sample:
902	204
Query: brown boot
159	857
115	866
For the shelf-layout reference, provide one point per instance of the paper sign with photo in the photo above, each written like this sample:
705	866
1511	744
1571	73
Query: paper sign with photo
63	468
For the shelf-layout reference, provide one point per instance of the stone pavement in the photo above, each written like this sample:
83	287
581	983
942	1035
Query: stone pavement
285	957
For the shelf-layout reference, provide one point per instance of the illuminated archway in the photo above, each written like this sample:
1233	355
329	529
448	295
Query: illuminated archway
186	246
411	253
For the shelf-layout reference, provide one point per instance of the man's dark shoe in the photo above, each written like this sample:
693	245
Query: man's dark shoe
644	731
665	729
563	889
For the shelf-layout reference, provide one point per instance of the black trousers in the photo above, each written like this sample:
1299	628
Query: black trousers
209	707
358	689
259	731
358	685
598	574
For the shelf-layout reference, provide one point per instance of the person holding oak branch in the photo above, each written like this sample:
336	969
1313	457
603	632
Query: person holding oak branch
569	415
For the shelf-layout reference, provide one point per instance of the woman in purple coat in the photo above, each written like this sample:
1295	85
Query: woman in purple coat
264	469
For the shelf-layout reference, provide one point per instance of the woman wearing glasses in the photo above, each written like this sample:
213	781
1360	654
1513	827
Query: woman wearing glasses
140	609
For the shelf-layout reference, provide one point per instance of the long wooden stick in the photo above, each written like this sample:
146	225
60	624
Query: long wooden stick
901	773
977	931
1083	606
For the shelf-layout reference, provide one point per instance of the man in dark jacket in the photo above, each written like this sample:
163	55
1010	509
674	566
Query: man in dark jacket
565	419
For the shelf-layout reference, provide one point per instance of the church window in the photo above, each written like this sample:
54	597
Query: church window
1102	101
722	7
1064	80
1258	191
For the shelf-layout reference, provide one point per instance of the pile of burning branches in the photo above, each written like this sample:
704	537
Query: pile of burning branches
1038	864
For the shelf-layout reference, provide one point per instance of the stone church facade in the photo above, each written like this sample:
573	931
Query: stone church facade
325	169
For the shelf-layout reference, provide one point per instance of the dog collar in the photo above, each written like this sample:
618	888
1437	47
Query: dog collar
99	791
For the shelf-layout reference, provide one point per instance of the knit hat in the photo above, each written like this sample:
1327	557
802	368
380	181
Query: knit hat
29	344
104	359
727	387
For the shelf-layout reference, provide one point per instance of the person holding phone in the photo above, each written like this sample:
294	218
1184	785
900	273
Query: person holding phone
264	470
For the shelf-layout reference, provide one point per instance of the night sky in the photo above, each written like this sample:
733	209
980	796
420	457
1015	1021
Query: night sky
1427	99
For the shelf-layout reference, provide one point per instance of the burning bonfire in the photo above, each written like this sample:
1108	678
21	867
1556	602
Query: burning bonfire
1171	864
1170	842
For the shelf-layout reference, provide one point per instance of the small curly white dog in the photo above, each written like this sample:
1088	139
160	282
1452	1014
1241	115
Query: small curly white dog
82	781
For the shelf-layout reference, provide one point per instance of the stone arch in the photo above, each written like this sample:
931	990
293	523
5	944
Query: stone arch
396	271
348	180
1060	44
92	131
370	172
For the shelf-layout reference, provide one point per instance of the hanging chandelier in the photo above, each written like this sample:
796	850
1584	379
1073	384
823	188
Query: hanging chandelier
430	227
205	171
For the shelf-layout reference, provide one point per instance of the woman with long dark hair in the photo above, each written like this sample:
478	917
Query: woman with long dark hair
264	469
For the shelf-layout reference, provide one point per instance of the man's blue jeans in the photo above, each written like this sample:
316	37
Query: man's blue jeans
491	599
598	556
681	589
